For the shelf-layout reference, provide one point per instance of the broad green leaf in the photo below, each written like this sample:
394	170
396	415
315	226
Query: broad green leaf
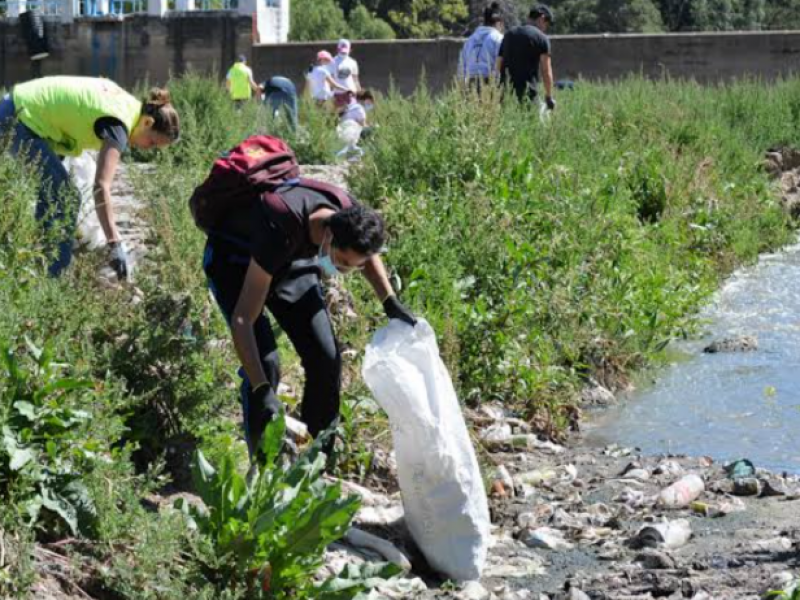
62	507
272	440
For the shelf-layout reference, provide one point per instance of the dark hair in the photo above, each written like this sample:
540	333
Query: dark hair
158	105
357	228
492	14
541	10
365	95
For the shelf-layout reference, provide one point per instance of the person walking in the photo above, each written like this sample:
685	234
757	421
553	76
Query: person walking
524	53
53	117
280	95
477	65
272	251
240	83
345	72
321	81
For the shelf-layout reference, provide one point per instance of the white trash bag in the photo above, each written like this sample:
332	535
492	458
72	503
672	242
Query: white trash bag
443	493
83	169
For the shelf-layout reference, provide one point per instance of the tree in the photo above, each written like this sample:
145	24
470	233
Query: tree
628	16
364	25
428	18
782	14
313	20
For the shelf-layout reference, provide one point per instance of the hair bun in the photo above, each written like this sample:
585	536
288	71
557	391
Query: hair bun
158	97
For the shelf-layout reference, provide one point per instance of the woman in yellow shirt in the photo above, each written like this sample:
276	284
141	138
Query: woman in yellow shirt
53	117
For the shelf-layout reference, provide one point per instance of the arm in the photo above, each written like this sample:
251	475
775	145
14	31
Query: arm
254	86
335	84
248	308
499	65
107	162
357	81
375	273
546	67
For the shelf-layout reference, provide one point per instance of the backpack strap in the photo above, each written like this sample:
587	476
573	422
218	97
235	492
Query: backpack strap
334	193
288	220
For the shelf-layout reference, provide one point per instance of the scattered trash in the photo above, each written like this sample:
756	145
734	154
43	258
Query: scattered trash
444	497
668	534
362	539
632	498
503	477
546	538
668	467
537	477
740	469
749	486
682	492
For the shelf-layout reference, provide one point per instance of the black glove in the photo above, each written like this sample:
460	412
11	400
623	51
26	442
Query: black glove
118	260
550	102
395	310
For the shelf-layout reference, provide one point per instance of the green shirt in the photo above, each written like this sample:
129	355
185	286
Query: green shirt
63	110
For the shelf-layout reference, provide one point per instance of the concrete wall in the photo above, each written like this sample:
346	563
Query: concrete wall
707	57
142	47
133	49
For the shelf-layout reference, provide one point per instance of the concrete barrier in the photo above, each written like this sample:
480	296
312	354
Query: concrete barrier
706	57
132	49
140	47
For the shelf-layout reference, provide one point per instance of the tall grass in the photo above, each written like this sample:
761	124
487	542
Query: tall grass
546	251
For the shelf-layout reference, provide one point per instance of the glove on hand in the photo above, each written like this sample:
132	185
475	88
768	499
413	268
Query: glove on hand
395	310
551	103
118	260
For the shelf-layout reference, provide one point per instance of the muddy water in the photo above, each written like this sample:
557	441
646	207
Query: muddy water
727	405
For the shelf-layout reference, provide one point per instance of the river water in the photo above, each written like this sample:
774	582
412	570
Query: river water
727	405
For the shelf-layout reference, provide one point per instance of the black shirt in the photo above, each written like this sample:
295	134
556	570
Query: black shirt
521	50
112	130
267	237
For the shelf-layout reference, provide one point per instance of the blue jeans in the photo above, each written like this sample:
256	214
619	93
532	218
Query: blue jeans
57	206
281	96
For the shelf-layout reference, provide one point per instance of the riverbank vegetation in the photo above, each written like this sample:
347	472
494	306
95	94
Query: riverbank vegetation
544	252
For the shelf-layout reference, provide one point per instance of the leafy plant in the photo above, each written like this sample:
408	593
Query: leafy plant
271	532
43	455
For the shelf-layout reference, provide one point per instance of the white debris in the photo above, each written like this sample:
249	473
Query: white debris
547	538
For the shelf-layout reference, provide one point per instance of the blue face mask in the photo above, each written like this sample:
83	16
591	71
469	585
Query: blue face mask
325	261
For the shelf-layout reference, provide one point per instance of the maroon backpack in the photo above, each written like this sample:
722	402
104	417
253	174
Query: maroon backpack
252	171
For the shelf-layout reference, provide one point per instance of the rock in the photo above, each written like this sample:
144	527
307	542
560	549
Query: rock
514	567
379	515
780	580
597	395
773	163
575	594
635	471
546	538
473	591
517	595
653	559
744	343
398	589
776	544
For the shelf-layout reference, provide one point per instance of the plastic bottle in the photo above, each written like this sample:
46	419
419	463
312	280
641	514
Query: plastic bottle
682	492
